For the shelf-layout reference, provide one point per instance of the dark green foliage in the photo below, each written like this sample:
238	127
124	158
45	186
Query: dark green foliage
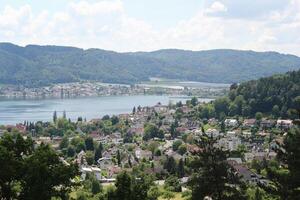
96	187
133	188
170	165
212	174
277	95
43	65
98	152
119	157
123	186
286	180
114	120
152	131
180	169
89	144
172	184
38	173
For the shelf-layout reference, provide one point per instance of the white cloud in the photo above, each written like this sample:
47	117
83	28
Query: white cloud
105	24
216	7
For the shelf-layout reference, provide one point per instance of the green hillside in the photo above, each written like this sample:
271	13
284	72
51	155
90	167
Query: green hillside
42	65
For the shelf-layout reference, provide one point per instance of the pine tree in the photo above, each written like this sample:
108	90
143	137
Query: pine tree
180	168
54	117
119	157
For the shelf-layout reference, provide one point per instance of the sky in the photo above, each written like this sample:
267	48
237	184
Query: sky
147	25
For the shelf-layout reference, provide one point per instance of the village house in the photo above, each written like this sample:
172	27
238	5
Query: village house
105	162
267	123
249	123
143	154
231	122
214	133
285	124
92	170
243	171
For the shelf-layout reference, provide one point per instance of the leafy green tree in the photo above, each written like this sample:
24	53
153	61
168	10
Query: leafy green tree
64	143
168	195
98	152
212	174
89	157
13	150
46	176
141	186
286	180
182	149
114	120
119	157
54	117
176	145
123	186
153	193
180	169
170	165
172	184
89	144
70	151
194	101
96	187
258	116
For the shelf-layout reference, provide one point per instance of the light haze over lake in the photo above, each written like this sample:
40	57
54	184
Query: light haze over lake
16	111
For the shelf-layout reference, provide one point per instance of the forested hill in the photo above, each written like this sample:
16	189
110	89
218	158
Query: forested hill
278	96
41	65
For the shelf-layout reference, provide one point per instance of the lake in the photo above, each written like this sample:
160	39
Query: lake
16	111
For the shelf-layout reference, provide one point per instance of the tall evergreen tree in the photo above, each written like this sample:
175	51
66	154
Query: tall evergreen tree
54	117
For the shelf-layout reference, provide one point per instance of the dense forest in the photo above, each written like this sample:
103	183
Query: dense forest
278	95
43	65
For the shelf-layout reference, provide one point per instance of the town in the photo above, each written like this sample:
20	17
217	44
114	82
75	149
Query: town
159	140
93	89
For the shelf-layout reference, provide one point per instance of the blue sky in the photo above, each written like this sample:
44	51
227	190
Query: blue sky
145	25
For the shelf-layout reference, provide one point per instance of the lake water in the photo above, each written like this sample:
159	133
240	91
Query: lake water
16	111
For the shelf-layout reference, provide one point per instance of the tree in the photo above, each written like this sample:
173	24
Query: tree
258	116
119	157
98	152
89	144
286	180
176	145
221	106
13	150
194	101
96	186
180	169
141	186
123	186
46	176
212	174
182	149
153	193
152	131
64	115
54	117
172	184
133	110
170	165
70	151
114	120
89	157
168	195
64	143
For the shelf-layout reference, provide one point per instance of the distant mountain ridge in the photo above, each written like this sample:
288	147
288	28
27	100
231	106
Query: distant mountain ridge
35	65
